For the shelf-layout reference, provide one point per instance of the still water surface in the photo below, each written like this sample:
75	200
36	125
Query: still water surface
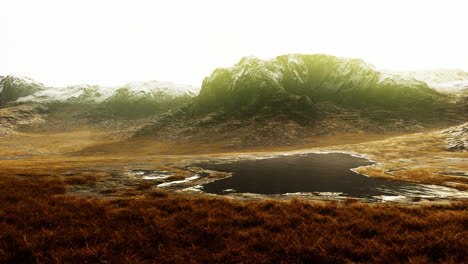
311	173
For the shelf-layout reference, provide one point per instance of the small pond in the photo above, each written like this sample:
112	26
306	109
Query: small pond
310	173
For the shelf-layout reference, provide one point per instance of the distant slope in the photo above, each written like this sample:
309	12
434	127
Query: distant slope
453	80
86	93
143	98
131	100
14	87
457	86
437	76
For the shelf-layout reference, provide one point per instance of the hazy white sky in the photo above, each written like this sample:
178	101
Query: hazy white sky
64	42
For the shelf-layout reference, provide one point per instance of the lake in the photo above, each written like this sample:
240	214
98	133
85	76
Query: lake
310	173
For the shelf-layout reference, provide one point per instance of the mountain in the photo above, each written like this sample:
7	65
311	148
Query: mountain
437	76
305	80
283	100
86	93
461	85
140	98
290	98
131	100
78	93
441	79
14	87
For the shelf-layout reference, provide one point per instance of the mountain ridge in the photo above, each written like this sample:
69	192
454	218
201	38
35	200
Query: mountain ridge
255	82
292	97
283	100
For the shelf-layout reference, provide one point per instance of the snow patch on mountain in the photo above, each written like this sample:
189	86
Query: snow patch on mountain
13	87
452	86
445	79
17	80
97	94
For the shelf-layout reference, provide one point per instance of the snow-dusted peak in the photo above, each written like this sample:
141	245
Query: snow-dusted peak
168	88
97	94
441	79
82	92
17	80
452	86
434	77
13	87
393	77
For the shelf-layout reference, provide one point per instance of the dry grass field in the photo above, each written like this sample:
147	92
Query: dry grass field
39	224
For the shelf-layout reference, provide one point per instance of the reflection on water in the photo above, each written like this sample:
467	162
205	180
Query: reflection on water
325	174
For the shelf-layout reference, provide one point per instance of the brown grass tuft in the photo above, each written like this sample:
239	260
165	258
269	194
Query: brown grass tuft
158	194
145	185
80	180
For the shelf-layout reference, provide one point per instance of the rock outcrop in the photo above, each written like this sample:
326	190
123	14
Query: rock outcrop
26	115
457	138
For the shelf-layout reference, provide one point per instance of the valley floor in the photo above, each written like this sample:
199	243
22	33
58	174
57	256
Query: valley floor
67	197
85	154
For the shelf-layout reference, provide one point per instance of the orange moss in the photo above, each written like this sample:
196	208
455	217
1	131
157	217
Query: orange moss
175	178
218	175
374	172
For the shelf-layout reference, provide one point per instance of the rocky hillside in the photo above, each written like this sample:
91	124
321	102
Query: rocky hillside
456	138
291	97
22	116
284	100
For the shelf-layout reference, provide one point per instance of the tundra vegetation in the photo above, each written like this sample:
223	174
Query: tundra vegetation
65	197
